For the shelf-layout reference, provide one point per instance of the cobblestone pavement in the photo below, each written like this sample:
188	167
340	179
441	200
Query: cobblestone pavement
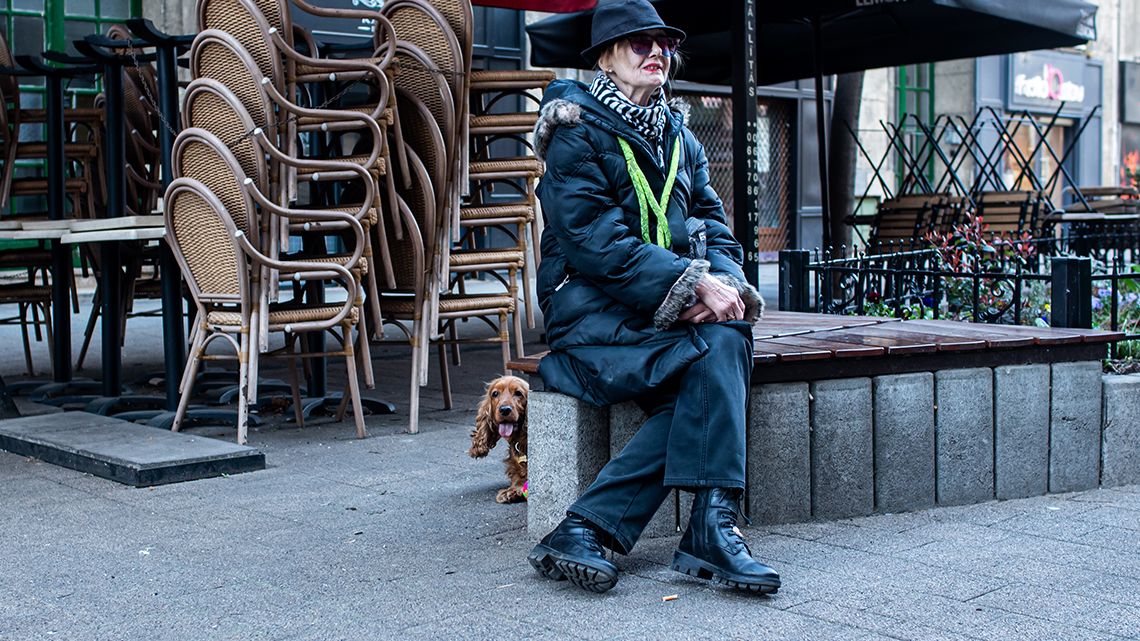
397	536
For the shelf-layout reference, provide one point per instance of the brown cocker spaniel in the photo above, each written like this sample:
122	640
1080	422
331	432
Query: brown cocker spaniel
502	414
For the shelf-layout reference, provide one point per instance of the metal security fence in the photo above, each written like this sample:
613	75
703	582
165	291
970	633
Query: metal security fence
710	118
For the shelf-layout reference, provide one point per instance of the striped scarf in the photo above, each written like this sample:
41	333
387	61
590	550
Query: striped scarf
649	121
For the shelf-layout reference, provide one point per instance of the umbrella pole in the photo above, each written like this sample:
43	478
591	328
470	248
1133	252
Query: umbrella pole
821	132
745	162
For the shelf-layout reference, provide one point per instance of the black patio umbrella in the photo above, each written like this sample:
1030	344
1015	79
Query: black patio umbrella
808	38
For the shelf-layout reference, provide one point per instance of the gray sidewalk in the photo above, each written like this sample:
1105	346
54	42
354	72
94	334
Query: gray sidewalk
398	537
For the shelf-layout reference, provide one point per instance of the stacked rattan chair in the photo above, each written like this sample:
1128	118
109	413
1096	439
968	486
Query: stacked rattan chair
219	262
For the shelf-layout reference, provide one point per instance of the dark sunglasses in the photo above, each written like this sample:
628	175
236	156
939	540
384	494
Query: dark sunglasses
642	45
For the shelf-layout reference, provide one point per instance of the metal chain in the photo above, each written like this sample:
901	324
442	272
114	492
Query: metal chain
149	96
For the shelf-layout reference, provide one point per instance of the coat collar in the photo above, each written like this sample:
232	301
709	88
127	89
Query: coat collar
569	102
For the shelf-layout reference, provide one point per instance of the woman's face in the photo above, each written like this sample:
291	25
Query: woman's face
637	74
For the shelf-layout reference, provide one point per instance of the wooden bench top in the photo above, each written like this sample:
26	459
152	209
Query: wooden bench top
802	346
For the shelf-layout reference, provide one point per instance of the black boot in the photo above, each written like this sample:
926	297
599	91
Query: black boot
712	547
572	551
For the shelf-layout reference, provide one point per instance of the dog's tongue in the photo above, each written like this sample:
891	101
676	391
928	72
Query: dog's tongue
505	429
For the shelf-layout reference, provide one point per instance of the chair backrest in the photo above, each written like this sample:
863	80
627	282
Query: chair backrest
1008	212
9	85
414	75
201	155
461	18
422	135
246	24
421	25
219	56
901	222
202	237
410	254
211	106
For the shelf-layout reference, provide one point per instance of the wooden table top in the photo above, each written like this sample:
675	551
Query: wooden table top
848	343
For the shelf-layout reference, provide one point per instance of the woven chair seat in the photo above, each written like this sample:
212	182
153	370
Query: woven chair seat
380	167
489	257
351	210
24	293
37	186
81	114
364	110
520	165
335	259
25	257
506	212
70	150
405	306
280	317
521	122
491	80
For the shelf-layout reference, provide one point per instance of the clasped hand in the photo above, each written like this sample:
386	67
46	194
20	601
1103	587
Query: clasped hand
716	303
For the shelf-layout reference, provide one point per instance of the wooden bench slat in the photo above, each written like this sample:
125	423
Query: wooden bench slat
991	339
837	349
894	344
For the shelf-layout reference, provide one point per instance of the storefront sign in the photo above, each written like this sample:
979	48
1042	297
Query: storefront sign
1130	92
1042	80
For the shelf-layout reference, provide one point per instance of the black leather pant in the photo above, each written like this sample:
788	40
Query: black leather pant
694	437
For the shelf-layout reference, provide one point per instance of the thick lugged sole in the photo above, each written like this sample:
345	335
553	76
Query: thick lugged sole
553	565
691	565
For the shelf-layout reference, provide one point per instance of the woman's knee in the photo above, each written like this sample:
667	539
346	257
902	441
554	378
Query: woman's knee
722	338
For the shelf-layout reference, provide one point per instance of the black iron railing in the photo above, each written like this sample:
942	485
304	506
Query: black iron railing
1031	282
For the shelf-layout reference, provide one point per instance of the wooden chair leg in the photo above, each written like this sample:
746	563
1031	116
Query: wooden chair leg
294	380
23	309
89	331
187	387
353	384
444	377
414	396
243	389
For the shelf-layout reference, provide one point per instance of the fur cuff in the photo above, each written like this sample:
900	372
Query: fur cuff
681	295
753	301
554	113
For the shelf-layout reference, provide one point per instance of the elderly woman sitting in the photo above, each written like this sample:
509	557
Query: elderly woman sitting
644	299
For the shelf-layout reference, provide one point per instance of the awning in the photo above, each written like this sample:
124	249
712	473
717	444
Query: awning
553	6
855	34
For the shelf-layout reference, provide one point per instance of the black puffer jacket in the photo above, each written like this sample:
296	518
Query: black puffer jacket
609	299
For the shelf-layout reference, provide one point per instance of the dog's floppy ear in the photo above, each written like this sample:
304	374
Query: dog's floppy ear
486	432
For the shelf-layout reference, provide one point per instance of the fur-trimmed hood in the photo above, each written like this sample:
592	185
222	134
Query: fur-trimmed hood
567	102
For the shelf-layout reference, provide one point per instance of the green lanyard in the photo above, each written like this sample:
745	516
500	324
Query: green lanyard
645	193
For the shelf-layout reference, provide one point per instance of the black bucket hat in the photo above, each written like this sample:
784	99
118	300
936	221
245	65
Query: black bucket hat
618	18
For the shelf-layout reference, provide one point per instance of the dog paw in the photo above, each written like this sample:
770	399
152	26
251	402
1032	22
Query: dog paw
510	495
478	452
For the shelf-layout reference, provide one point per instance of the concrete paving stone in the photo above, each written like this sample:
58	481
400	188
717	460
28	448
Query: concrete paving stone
1047	525
1021	430
964	401
842	448
1075	426
982	621
228	559
1128	519
1112	538
866	620
779	453
748	616
904	441
1120	454
1063	607
809	531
